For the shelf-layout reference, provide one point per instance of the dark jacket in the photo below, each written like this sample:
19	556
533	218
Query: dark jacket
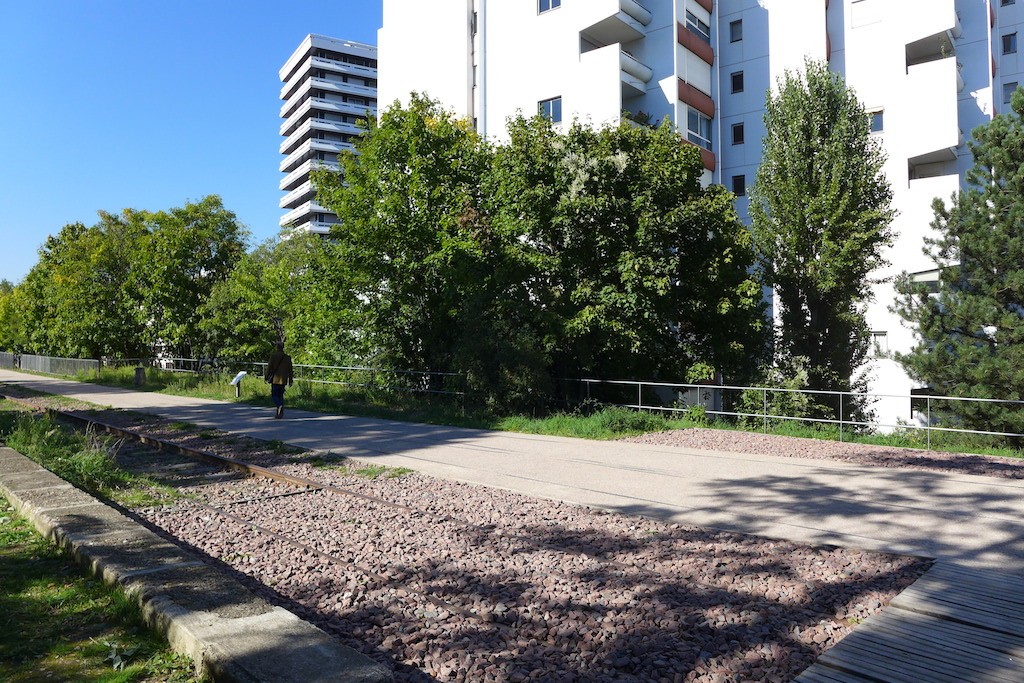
279	368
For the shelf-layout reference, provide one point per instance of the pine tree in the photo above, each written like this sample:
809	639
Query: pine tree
971	331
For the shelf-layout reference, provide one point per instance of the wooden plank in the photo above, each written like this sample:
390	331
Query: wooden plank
967	614
981	592
895	666
982	666
819	673
947	633
961	595
1012	584
966	586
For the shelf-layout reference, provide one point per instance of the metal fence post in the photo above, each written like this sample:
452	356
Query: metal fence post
639	396
764	393
840	417
928	424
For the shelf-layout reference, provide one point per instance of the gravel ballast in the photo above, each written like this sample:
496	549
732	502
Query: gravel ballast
457	582
466	583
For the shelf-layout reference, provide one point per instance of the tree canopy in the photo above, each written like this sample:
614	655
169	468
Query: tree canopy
130	285
821	217
553	255
970	326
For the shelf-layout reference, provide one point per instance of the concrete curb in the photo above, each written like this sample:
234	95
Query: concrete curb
228	632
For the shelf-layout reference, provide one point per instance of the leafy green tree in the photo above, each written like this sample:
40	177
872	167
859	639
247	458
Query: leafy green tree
185	252
13	333
821	219
971	331
130	285
422	259
636	271
84	300
294	288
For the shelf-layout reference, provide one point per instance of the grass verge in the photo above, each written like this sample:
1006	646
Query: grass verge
87	461
58	624
609	423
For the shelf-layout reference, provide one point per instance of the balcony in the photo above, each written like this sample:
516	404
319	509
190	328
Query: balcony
299	195
301	211
303	170
923	20
304	130
634	75
323	84
322	104
932	86
316	227
616	21
331	65
309	146
332	84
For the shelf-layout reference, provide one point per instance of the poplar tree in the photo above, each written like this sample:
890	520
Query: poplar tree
821	217
971	330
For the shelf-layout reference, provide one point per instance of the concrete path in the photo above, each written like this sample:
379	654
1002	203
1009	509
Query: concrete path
970	520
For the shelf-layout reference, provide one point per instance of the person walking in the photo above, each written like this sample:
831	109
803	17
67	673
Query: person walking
279	375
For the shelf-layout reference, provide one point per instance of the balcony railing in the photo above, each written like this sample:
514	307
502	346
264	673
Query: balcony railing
301	210
331	65
310	125
292	160
296	106
303	170
292	198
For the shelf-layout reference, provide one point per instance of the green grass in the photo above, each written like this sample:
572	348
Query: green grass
58	624
609	423
375	471
87	461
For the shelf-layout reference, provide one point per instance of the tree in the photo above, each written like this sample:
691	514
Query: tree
13	333
637	271
420	255
821	217
130	285
84	298
185	252
971	331
294	288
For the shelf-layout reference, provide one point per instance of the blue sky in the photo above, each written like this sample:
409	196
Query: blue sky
109	104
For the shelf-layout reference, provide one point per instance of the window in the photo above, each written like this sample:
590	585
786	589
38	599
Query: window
551	109
739	185
736	31
698	128
737	81
877	122
702	30
737	133
879	344
1008	90
1010	44
545	5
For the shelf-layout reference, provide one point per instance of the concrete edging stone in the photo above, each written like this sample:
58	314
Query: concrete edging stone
230	634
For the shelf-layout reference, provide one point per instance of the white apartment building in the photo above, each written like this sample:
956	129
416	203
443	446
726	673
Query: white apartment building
329	86
928	71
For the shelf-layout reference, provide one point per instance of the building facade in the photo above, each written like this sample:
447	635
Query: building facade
330	85
927	71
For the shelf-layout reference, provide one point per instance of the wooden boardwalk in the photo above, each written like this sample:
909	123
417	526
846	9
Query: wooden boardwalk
953	625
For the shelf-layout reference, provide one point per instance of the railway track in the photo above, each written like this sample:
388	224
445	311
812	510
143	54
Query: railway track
446	581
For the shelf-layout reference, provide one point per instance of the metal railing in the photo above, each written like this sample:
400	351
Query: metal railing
51	365
928	413
923	410
411	381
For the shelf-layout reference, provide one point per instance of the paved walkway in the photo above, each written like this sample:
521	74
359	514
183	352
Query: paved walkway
969	520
